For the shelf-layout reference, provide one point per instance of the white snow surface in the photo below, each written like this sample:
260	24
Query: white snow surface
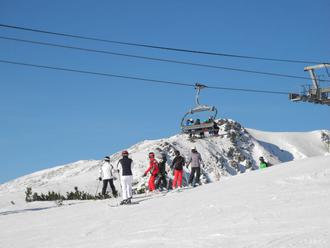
291	145
282	206
286	205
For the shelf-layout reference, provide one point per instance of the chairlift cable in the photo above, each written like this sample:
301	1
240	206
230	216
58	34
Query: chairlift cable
137	78
159	47
153	58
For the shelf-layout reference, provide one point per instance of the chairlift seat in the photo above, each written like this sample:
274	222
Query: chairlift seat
202	127
199	127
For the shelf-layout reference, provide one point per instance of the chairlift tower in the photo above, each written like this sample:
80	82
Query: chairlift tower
315	93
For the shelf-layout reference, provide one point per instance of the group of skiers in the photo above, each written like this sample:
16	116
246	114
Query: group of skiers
201	132
157	170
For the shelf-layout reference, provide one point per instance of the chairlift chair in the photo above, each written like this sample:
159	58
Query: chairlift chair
202	127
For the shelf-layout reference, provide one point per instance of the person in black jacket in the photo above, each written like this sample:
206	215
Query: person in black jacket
177	164
162	183
125	166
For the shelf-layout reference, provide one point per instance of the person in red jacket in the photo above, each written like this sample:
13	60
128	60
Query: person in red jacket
153	169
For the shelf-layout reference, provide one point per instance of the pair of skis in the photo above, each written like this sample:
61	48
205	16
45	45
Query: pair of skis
140	198
126	204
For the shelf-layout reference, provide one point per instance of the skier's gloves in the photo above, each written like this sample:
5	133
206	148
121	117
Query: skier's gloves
100	178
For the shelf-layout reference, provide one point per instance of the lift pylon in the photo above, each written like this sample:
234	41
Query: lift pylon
315	93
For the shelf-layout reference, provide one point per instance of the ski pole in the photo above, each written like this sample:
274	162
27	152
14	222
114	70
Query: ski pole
119	182
97	188
120	186
98	184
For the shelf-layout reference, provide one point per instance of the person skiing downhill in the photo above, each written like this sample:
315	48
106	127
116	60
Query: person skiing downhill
153	169
162	183
195	161
106	174
177	165
125	170
263	164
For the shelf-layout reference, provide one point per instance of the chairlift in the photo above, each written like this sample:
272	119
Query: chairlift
197	128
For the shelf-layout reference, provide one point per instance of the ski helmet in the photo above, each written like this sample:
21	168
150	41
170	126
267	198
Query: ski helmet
151	155
261	158
177	153
124	153
107	158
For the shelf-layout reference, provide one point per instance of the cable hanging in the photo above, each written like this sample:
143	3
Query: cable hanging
159	47
137	78
154	58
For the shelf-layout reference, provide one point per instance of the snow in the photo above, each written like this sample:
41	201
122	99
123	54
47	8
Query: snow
282	206
286	205
289	146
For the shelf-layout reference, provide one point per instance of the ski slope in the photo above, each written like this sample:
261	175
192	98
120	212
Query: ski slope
282	206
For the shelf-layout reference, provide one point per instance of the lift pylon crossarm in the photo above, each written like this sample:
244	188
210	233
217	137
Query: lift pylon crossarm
311	70
320	66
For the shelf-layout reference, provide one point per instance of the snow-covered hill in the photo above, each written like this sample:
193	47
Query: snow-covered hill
221	154
282	206
289	146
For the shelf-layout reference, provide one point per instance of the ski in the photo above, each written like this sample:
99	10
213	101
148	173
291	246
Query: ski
119	205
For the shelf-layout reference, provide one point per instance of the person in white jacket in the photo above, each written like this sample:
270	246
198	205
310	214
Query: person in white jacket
106	174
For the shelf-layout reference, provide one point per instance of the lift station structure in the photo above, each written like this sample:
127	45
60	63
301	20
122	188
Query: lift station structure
314	93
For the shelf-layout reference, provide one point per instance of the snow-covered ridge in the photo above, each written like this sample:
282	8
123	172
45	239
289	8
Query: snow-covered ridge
219	154
289	146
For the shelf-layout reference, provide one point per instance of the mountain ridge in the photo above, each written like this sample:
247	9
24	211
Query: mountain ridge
219	154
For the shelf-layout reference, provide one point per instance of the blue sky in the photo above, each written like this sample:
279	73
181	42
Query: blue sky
49	118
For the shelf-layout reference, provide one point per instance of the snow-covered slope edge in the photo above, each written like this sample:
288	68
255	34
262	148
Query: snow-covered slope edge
282	206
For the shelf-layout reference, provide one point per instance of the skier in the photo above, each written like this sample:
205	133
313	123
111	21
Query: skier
162	183
190	122
153	169
263	164
195	161
215	129
125	170
177	165
106	174
242	164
